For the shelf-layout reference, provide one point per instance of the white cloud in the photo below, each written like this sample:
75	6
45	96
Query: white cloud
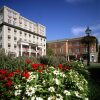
77	30
80	31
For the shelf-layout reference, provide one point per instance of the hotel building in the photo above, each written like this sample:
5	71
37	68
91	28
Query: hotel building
73	48
21	36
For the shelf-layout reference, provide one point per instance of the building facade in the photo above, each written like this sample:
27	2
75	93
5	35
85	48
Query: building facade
20	36
73	49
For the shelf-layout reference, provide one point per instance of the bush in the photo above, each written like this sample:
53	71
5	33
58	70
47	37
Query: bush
38	81
52	60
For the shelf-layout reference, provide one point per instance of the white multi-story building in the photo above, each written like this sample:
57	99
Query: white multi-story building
20	36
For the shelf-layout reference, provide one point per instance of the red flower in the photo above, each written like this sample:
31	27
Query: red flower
11	74
60	66
28	61
9	83
17	71
40	71
35	66
2	71
26	74
67	68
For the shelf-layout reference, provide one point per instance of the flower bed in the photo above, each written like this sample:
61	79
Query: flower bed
42	82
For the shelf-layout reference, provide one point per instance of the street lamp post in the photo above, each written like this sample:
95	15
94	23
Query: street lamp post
88	32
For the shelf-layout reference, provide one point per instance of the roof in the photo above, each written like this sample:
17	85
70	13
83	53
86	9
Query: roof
64	40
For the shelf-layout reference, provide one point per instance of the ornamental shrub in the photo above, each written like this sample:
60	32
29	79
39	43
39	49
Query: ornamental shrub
37	81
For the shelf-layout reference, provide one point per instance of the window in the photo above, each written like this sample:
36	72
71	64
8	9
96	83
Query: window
44	50
9	37
0	45
20	33
61	50
15	46
9	45
29	35
85	50
9	28
25	34
41	39
0	29
77	50
9	21
29	40
77	43
15	38
0	37
33	36
14	23
70	50
30	29
15	30
25	23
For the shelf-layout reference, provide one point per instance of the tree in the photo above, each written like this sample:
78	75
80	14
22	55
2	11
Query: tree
49	52
91	40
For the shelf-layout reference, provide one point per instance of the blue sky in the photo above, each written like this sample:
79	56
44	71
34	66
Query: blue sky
62	18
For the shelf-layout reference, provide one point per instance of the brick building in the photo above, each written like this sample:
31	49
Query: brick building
73	48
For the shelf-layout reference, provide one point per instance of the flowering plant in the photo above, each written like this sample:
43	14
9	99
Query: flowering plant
43	83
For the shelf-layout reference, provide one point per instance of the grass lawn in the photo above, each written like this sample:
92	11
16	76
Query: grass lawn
94	82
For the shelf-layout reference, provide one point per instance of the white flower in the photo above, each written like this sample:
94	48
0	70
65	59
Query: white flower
59	97
39	98
44	82
50	98
33	98
67	92
51	89
62	74
86	99
32	77
56	72
17	86
57	81
30	91
30	73
17	92
77	94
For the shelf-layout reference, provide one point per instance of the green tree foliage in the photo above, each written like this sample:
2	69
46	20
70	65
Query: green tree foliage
50	52
91	40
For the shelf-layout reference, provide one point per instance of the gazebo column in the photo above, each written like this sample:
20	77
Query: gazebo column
29	50
21	50
36	51
68	57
